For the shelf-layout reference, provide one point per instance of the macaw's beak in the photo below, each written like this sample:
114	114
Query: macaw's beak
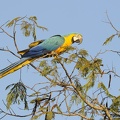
78	38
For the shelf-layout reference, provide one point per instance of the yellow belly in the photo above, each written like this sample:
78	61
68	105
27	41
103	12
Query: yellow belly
61	49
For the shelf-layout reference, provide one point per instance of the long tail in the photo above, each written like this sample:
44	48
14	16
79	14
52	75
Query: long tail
15	66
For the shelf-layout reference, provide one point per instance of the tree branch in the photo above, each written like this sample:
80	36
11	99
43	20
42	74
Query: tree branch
111	22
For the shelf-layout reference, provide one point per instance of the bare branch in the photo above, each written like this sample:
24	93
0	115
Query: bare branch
15	115
6	32
36	68
109	21
74	114
14	36
8	50
66	72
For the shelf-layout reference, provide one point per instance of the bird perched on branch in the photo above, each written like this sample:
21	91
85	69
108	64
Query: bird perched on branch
56	44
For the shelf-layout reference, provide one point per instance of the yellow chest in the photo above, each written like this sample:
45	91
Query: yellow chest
67	43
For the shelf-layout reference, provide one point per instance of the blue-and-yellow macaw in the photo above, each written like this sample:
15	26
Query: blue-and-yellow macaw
56	44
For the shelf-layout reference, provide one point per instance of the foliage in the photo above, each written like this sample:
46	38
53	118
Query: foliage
17	93
28	25
109	39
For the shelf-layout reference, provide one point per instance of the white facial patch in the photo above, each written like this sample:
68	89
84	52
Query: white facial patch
75	38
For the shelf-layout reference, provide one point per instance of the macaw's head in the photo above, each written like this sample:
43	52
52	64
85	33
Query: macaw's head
77	38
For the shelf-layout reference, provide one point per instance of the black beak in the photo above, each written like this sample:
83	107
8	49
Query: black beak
79	40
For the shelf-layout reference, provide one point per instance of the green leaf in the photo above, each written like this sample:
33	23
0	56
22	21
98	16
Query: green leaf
34	94
9	86
38	99
33	18
58	109
70	58
43	109
49	115
101	85
43	63
70	48
26	28
17	93
75	99
46	69
35	117
12	21
83	65
109	39
34	33
83	53
41	27
91	77
9	99
115	106
78	85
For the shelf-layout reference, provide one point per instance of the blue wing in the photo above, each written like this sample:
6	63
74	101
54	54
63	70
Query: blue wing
45	47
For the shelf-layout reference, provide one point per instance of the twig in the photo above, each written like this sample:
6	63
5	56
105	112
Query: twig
7	50
115	52
74	114
73	71
30	88
111	71
14	36
68	110
16	115
40	83
111	22
36	68
6	32
4	24
66	72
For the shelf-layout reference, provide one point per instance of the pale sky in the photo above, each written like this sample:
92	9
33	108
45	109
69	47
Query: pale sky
87	17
